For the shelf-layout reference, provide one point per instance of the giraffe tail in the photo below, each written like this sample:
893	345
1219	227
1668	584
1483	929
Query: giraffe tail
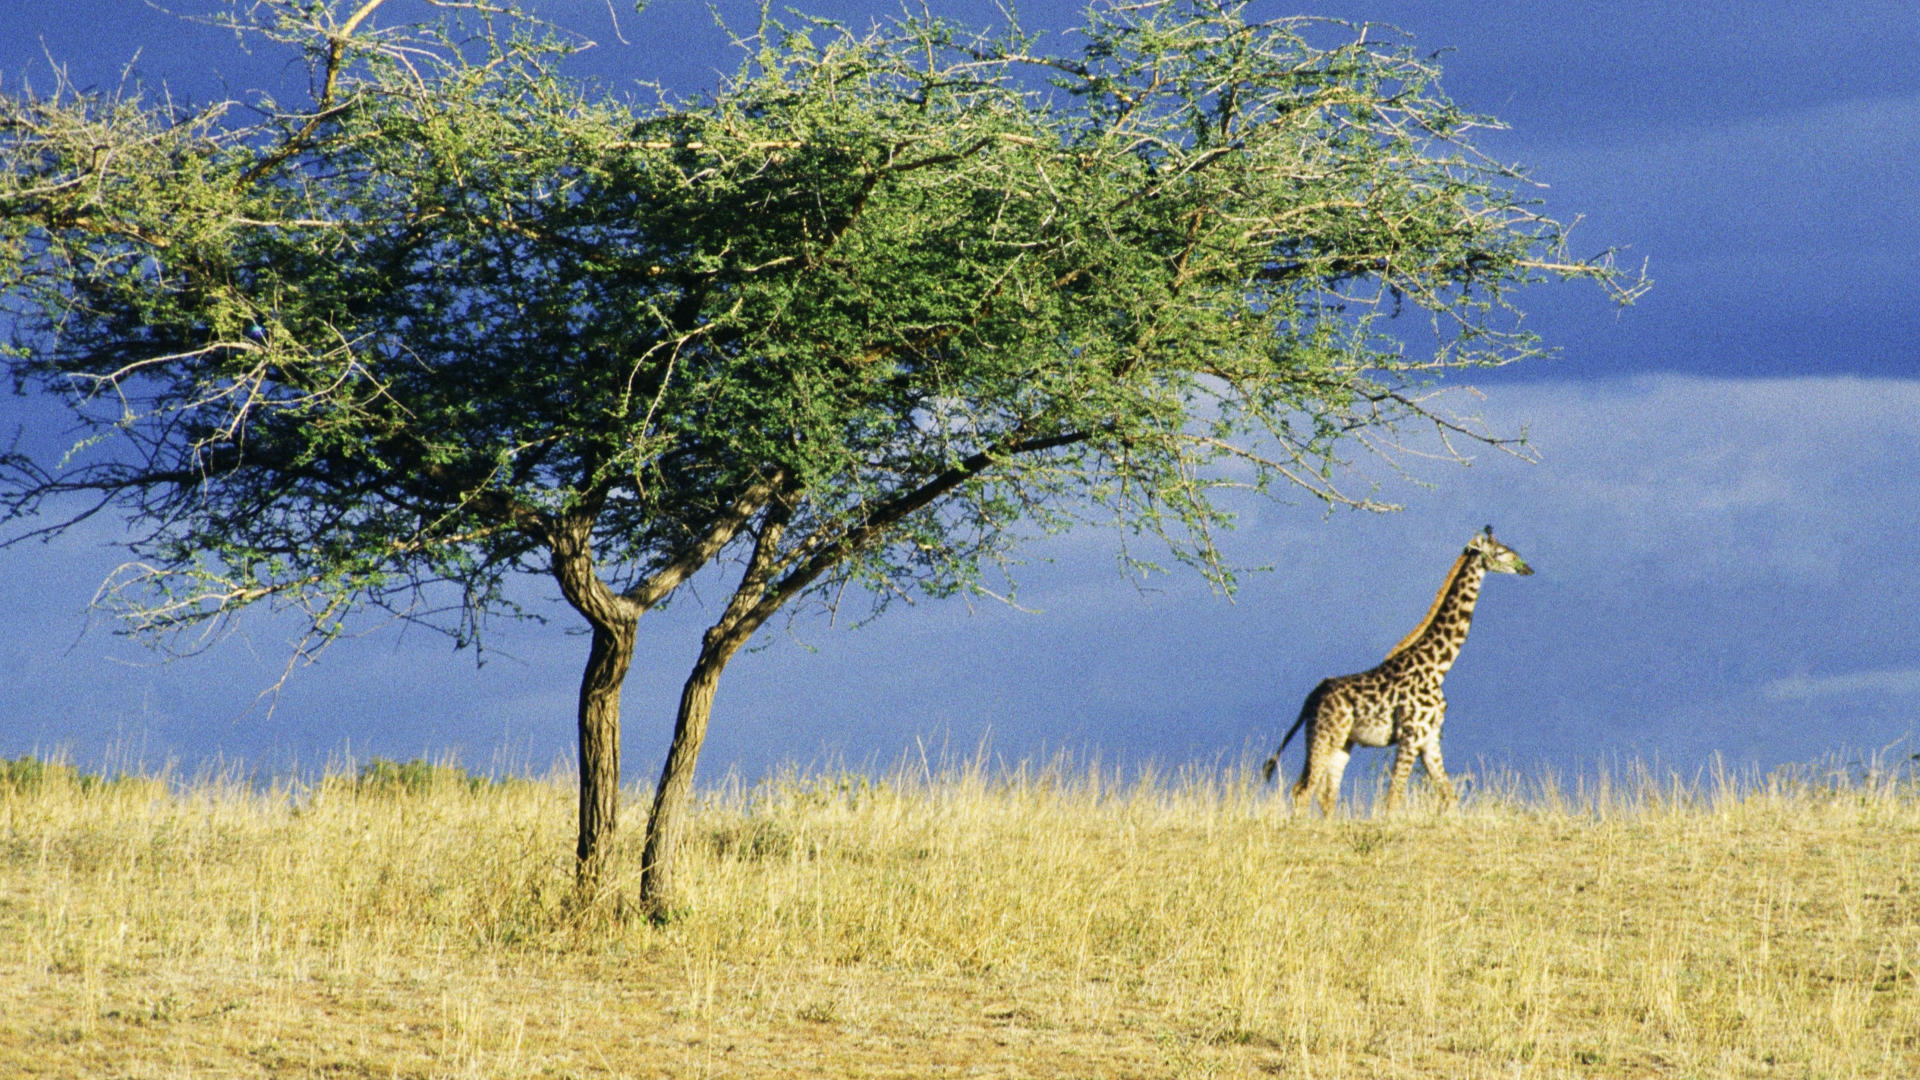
1307	709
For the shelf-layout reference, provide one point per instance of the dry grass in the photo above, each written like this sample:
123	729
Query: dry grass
1043	924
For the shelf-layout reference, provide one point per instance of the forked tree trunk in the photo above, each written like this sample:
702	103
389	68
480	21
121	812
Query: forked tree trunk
615	620
607	668
666	825
762	590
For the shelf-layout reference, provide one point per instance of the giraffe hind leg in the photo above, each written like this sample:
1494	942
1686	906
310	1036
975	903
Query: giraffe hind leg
1312	778
1319	781
1302	786
1329	718
1326	731
1336	768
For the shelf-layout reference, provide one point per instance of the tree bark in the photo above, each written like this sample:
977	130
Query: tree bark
771	579
751	605
615	621
607	666
666	824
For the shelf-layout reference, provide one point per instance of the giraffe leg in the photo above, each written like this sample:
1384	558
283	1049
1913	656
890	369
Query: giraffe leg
1302	786
1437	770
1321	746
1321	785
1320	781
1309	776
1402	769
1330	781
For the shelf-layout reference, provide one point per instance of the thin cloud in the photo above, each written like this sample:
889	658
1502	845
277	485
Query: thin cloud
1718	480
1903	682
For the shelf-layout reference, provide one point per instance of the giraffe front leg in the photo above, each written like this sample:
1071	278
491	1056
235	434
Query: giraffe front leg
1402	770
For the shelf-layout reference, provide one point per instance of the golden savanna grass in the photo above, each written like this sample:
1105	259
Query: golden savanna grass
1041	923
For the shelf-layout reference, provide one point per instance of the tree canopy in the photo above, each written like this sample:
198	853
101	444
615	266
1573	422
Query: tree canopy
882	304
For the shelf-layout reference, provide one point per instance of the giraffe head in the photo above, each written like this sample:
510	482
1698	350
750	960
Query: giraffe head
1496	556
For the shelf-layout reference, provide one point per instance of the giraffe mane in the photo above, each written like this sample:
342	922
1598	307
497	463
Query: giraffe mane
1440	597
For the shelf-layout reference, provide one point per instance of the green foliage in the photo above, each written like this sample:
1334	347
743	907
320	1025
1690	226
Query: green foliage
29	775
384	778
879	307
790	793
764	826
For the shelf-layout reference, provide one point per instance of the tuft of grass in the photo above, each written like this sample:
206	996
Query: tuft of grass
409	919
28	774
382	777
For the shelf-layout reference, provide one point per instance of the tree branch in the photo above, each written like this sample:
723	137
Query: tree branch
893	511
696	555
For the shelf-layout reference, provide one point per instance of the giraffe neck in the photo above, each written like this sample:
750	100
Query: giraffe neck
1435	643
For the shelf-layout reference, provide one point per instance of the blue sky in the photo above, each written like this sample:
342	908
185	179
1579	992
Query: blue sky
1722	516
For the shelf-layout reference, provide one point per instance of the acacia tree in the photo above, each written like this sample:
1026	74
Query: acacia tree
876	309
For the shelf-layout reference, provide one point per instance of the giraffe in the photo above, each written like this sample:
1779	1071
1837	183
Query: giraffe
1399	701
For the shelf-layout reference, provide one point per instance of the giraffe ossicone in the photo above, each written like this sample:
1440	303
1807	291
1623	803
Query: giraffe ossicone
1399	701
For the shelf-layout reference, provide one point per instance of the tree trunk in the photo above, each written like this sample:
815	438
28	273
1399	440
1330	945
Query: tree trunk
607	668
751	605
666	824
615	621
